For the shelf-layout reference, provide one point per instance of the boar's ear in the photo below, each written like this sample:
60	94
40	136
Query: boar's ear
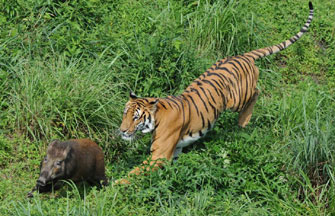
52	144
66	151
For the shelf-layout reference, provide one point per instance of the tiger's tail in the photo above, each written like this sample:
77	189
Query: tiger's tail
259	53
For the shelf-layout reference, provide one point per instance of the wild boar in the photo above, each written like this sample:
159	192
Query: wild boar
76	160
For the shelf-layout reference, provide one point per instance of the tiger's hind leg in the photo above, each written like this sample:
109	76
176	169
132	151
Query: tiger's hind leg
245	115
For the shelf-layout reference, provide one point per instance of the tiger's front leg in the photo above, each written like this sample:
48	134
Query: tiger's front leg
162	151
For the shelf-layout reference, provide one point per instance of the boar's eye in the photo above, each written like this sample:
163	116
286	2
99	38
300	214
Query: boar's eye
45	159
58	163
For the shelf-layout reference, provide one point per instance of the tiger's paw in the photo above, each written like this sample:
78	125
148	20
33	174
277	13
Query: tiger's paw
122	182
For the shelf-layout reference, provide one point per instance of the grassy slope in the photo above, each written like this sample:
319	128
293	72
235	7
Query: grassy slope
66	72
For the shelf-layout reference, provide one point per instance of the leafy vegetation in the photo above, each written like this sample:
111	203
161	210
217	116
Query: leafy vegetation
66	68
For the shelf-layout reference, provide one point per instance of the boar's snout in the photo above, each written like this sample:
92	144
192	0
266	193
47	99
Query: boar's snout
41	182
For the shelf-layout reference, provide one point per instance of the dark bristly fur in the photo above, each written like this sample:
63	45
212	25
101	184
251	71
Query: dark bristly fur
76	160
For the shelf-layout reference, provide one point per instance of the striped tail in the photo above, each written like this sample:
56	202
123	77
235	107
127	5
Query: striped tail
259	53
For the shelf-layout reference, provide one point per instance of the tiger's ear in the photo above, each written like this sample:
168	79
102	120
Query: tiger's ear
132	95
153	105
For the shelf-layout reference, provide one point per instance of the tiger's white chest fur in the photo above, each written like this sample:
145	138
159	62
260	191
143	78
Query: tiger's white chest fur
186	140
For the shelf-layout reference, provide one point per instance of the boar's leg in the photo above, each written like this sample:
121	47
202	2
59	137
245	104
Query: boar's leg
100	176
102	180
98	182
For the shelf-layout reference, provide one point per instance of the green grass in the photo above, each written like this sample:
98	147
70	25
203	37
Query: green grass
66	69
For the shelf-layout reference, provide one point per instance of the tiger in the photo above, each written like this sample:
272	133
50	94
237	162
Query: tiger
177	121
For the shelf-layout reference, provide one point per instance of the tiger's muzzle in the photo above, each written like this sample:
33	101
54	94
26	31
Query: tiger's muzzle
126	135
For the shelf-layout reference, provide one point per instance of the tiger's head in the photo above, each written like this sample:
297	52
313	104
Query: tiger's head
138	115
